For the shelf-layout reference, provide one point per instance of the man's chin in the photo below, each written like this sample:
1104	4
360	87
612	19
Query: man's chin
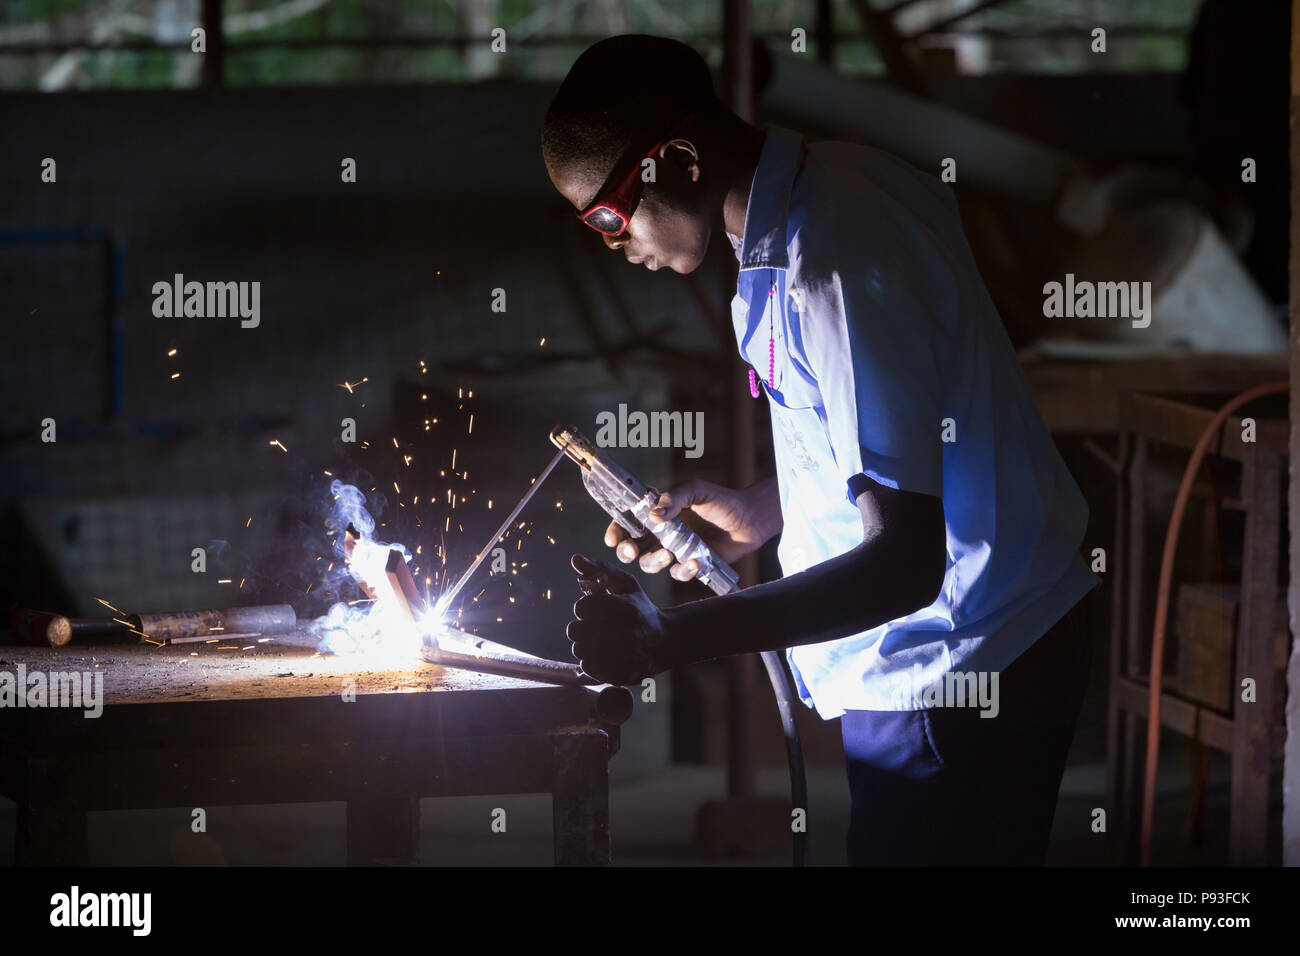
683	268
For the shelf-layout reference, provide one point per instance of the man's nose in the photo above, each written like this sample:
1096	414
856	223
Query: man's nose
617	242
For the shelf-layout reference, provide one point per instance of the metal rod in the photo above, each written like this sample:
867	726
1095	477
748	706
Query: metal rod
444	601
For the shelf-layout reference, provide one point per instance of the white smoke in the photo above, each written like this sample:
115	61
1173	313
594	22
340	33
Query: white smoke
378	627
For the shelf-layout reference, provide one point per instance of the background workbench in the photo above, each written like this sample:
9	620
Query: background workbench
226	723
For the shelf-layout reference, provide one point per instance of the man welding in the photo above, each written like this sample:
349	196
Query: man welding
930	531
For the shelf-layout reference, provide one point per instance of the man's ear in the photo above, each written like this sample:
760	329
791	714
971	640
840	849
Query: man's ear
685	155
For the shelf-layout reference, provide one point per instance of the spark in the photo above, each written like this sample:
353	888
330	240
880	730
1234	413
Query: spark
398	490
471	423
276	441
175	375
241	581
548	594
223	580
249	521
172	352
542	342
109	606
351	385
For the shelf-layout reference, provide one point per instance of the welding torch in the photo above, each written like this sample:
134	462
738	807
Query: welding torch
629	502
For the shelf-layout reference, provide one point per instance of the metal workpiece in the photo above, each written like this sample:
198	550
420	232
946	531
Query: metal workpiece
612	704
214	622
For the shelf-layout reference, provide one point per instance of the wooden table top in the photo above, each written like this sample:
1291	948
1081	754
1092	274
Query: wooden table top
288	666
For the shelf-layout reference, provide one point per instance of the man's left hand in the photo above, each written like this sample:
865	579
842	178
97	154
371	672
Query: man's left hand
618	634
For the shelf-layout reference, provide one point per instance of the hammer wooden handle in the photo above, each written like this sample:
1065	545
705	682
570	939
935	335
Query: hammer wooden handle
45	628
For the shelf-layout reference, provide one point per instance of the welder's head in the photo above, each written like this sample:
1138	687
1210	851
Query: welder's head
627	100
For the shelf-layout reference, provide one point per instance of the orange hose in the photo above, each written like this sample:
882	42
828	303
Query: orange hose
1162	600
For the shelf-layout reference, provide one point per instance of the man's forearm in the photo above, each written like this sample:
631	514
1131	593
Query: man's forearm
848	594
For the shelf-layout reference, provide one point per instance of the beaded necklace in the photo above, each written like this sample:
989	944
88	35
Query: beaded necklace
771	342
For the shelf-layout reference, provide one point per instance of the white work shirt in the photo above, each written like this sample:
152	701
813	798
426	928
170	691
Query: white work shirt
886	343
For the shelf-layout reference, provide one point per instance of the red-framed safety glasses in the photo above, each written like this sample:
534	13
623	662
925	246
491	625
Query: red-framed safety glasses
613	208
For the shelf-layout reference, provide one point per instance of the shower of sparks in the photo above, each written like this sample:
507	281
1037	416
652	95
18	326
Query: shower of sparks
279	444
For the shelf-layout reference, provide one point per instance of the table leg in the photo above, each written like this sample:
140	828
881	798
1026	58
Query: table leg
51	826
383	831
580	799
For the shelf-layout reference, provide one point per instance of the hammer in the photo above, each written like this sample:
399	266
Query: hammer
47	628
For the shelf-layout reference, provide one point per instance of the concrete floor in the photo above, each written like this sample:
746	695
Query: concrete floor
652	821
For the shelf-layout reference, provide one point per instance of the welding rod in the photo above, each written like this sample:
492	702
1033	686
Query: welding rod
444	601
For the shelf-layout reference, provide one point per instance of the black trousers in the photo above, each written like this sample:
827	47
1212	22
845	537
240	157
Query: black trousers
945	786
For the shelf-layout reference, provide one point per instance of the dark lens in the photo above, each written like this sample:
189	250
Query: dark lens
605	219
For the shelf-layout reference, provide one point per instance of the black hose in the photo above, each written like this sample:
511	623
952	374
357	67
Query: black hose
783	690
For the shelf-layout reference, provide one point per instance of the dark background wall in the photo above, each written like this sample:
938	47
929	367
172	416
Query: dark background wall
358	281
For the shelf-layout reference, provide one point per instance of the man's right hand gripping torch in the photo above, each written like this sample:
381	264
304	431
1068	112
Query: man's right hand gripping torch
629	503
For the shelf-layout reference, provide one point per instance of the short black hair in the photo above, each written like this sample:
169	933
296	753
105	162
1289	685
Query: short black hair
622	92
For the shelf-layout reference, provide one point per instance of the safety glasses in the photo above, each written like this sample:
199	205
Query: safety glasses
613	207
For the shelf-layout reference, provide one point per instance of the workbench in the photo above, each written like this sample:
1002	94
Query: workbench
230	723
